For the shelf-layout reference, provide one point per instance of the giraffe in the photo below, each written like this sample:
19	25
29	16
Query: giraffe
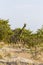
20	33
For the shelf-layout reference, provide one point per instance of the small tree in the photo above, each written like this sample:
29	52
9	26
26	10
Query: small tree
5	30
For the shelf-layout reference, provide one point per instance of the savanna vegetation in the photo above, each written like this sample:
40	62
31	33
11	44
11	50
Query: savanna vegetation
21	36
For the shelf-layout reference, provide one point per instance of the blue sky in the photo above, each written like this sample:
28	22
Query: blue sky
22	11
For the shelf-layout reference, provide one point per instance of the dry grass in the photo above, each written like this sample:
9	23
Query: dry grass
8	53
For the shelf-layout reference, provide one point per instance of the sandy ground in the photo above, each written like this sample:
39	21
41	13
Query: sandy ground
7	53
